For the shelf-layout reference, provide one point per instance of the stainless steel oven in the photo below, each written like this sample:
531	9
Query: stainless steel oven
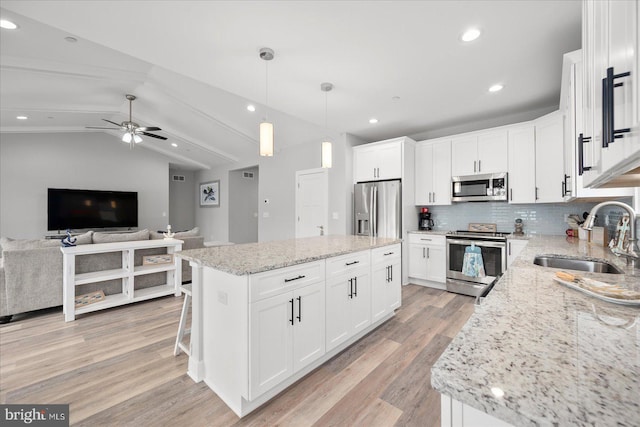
494	256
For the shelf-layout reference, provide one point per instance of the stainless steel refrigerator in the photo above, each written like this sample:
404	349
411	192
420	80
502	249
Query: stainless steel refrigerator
378	209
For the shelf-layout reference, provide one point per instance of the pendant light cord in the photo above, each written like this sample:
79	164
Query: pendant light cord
266	89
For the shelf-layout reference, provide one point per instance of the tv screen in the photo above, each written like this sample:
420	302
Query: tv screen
77	209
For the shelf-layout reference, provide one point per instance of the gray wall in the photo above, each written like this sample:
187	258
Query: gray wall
31	163
182	200
243	206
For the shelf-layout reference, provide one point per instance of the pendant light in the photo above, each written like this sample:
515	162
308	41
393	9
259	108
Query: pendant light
326	155
266	127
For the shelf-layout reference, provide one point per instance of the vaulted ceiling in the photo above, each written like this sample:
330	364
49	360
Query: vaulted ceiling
194	67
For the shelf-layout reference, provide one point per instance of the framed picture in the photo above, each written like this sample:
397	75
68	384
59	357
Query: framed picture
157	259
210	194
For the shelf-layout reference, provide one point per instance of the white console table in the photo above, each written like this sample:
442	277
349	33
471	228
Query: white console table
126	273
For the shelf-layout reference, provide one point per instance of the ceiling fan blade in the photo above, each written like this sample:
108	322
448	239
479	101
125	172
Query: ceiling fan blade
154	136
149	129
95	127
113	123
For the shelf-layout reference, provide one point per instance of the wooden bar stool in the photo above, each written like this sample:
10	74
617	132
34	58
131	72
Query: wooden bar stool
186	290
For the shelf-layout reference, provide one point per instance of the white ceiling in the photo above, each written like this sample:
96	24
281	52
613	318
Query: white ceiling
194	66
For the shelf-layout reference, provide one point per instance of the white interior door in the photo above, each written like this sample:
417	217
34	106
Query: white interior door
312	202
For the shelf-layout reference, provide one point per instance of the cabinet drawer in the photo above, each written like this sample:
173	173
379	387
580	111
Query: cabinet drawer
270	283
426	239
386	254
345	264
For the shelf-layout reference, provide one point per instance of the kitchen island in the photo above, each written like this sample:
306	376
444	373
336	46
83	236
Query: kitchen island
266	314
538	353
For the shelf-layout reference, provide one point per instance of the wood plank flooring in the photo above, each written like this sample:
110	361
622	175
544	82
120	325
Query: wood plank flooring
116	368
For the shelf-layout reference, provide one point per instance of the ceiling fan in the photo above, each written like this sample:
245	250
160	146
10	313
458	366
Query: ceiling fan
132	130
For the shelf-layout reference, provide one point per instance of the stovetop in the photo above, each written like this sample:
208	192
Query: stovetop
479	234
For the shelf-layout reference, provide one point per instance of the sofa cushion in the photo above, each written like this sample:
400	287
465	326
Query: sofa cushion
100	237
84	238
194	232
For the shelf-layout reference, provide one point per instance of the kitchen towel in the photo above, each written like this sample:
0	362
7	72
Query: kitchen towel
472	264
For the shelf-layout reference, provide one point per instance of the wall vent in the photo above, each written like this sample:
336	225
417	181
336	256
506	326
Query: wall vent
178	177
248	175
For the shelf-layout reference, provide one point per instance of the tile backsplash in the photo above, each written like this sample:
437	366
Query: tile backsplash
547	218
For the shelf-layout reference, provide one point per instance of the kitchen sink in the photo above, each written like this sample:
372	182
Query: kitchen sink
580	264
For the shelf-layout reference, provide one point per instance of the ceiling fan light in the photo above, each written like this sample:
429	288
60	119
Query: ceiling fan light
266	139
126	137
137	139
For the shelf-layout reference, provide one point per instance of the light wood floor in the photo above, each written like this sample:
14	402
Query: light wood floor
116	367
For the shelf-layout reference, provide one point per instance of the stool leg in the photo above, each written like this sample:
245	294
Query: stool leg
183	321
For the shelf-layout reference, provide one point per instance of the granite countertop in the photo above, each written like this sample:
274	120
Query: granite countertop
251	258
559	356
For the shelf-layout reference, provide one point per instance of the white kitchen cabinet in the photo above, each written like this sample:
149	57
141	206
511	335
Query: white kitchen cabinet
287	333
549	134
427	258
378	161
514	247
433	173
386	277
522	167
479	153
456	414
610	48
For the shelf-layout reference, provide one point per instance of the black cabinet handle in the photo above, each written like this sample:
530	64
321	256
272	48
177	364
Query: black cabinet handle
299	317
351	263
295	278
291	320
391	273
355	280
389	253
350	288
609	132
388	274
581	141
565	185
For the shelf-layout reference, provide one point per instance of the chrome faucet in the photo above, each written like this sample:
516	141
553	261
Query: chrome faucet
631	254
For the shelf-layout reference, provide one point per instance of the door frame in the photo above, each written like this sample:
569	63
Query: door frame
325	173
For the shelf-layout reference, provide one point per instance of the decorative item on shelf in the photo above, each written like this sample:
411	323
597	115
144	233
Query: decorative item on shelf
620	239
157	259
210	194
169	234
266	127
518	227
326	156
90	298
69	241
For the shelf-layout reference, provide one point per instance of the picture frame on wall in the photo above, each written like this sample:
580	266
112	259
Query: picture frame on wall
210	194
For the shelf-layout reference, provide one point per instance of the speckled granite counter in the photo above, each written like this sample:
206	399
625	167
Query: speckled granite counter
561	357
251	258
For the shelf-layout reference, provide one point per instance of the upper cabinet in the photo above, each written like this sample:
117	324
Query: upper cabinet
433	173
550	173
378	161
610	90
522	170
479	153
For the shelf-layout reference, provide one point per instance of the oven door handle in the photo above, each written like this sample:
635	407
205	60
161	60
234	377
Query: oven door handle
477	243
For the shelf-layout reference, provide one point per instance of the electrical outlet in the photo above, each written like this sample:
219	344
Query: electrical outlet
566	217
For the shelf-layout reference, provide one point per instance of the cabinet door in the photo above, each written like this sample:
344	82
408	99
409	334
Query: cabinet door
389	161
441	173
361	303
514	247
492	152
379	284
338	307
464	156
418	261
522	171
364	164
271	342
394	287
549	158
424	174
436	263
308	330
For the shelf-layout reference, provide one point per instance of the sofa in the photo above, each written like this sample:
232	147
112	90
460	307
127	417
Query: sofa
31	270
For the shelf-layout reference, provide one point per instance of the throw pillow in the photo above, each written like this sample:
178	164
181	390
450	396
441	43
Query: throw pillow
84	238
100	237
194	232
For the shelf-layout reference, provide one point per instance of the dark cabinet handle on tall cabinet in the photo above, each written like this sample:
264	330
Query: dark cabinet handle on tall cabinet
291	302
299	317
609	132
581	141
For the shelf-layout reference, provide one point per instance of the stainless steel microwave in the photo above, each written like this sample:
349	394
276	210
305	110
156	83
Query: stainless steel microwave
479	188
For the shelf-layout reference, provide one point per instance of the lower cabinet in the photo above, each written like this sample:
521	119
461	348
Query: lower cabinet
514	247
456	414
386	281
287	333
427	257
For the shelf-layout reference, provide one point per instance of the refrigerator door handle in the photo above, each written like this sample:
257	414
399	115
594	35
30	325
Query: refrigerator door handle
374	210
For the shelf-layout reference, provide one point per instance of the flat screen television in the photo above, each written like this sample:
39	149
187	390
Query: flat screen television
78	209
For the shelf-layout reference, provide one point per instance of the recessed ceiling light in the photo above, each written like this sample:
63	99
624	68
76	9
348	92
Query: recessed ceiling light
7	25
496	88
395	98
373	120
71	39
470	35
251	107
22	117
173	144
